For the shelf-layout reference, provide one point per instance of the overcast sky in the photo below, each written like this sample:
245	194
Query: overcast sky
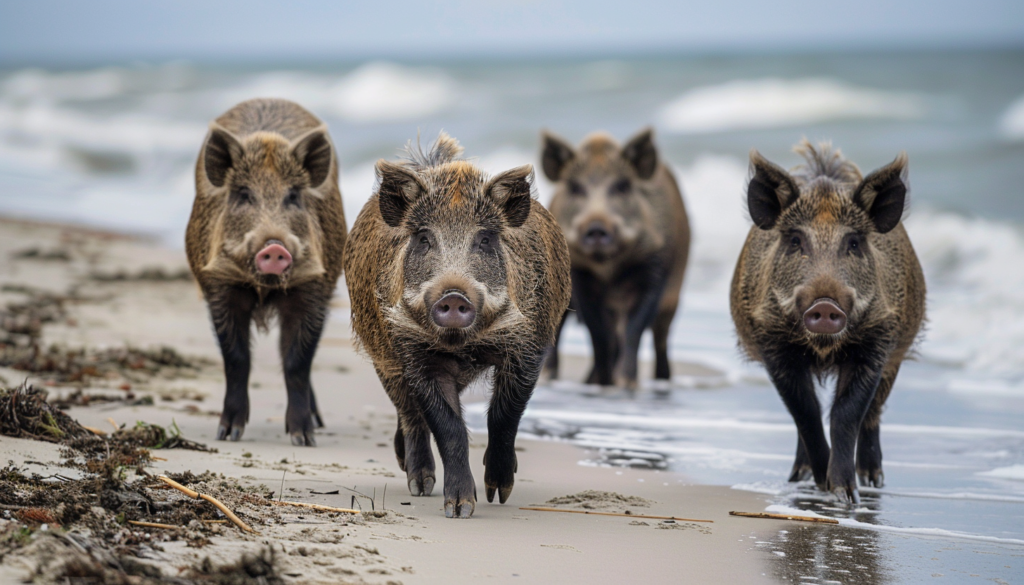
122	30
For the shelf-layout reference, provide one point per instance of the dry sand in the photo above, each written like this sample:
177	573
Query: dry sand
414	543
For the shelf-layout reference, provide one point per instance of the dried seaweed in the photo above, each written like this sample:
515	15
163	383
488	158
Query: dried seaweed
25	413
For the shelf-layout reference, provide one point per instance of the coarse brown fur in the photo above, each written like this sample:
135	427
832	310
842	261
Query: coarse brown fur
631	280
267	172
437	224
822	231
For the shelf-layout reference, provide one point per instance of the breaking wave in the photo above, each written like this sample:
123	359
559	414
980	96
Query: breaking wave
772	103
1011	125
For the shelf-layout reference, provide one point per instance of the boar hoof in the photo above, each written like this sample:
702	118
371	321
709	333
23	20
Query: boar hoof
503	493
421	486
461	509
874	478
303	439
233	432
801	473
846	494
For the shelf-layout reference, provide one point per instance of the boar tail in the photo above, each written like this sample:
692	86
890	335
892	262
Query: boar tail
824	161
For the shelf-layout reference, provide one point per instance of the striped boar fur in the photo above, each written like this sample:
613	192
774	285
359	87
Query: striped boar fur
267	182
436	234
828	286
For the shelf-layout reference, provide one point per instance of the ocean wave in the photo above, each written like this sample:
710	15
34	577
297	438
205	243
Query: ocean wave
772	103
1015	472
1011	124
374	92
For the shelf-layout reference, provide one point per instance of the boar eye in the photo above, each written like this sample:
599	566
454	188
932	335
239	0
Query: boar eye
292	198
242	196
795	243
620	187
421	242
485	241
855	244
575	188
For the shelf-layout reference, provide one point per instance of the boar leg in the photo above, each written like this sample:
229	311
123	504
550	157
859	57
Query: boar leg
796	388
551	361
802	464
231	312
662	323
439	398
302	315
855	390
640	318
588	299
869	444
412	437
513	385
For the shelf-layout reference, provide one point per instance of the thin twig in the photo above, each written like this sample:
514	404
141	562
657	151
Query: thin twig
194	494
280	493
153	525
95	431
785	517
538	509
316	507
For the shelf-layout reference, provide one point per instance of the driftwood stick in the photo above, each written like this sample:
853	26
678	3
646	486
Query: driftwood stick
785	517
194	494
315	507
95	431
153	525
538	509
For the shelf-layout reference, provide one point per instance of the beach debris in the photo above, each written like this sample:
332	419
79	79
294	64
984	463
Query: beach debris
25	413
148	274
37	253
250	568
627	515
820	519
196	495
154	436
63	365
315	507
599	500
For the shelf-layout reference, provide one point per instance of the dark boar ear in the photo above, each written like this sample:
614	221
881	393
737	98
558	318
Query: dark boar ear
557	153
313	151
769	191
641	154
883	194
513	191
398	187
223	150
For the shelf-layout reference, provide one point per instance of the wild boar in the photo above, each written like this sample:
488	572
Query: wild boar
452	275
266	239
828	284
623	216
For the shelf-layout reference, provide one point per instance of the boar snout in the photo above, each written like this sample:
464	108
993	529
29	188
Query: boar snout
454	311
597	235
825	317
274	258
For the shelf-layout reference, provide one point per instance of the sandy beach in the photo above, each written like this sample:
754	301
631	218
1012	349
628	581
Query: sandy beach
413	542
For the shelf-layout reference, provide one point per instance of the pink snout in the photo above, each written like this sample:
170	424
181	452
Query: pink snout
273	258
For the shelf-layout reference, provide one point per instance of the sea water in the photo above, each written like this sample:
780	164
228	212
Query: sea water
114	146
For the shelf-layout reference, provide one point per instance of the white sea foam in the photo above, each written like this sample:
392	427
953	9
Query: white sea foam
926	532
772	103
374	92
1011	124
1015	472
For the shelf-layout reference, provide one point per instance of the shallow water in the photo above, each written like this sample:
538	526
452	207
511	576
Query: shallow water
115	146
